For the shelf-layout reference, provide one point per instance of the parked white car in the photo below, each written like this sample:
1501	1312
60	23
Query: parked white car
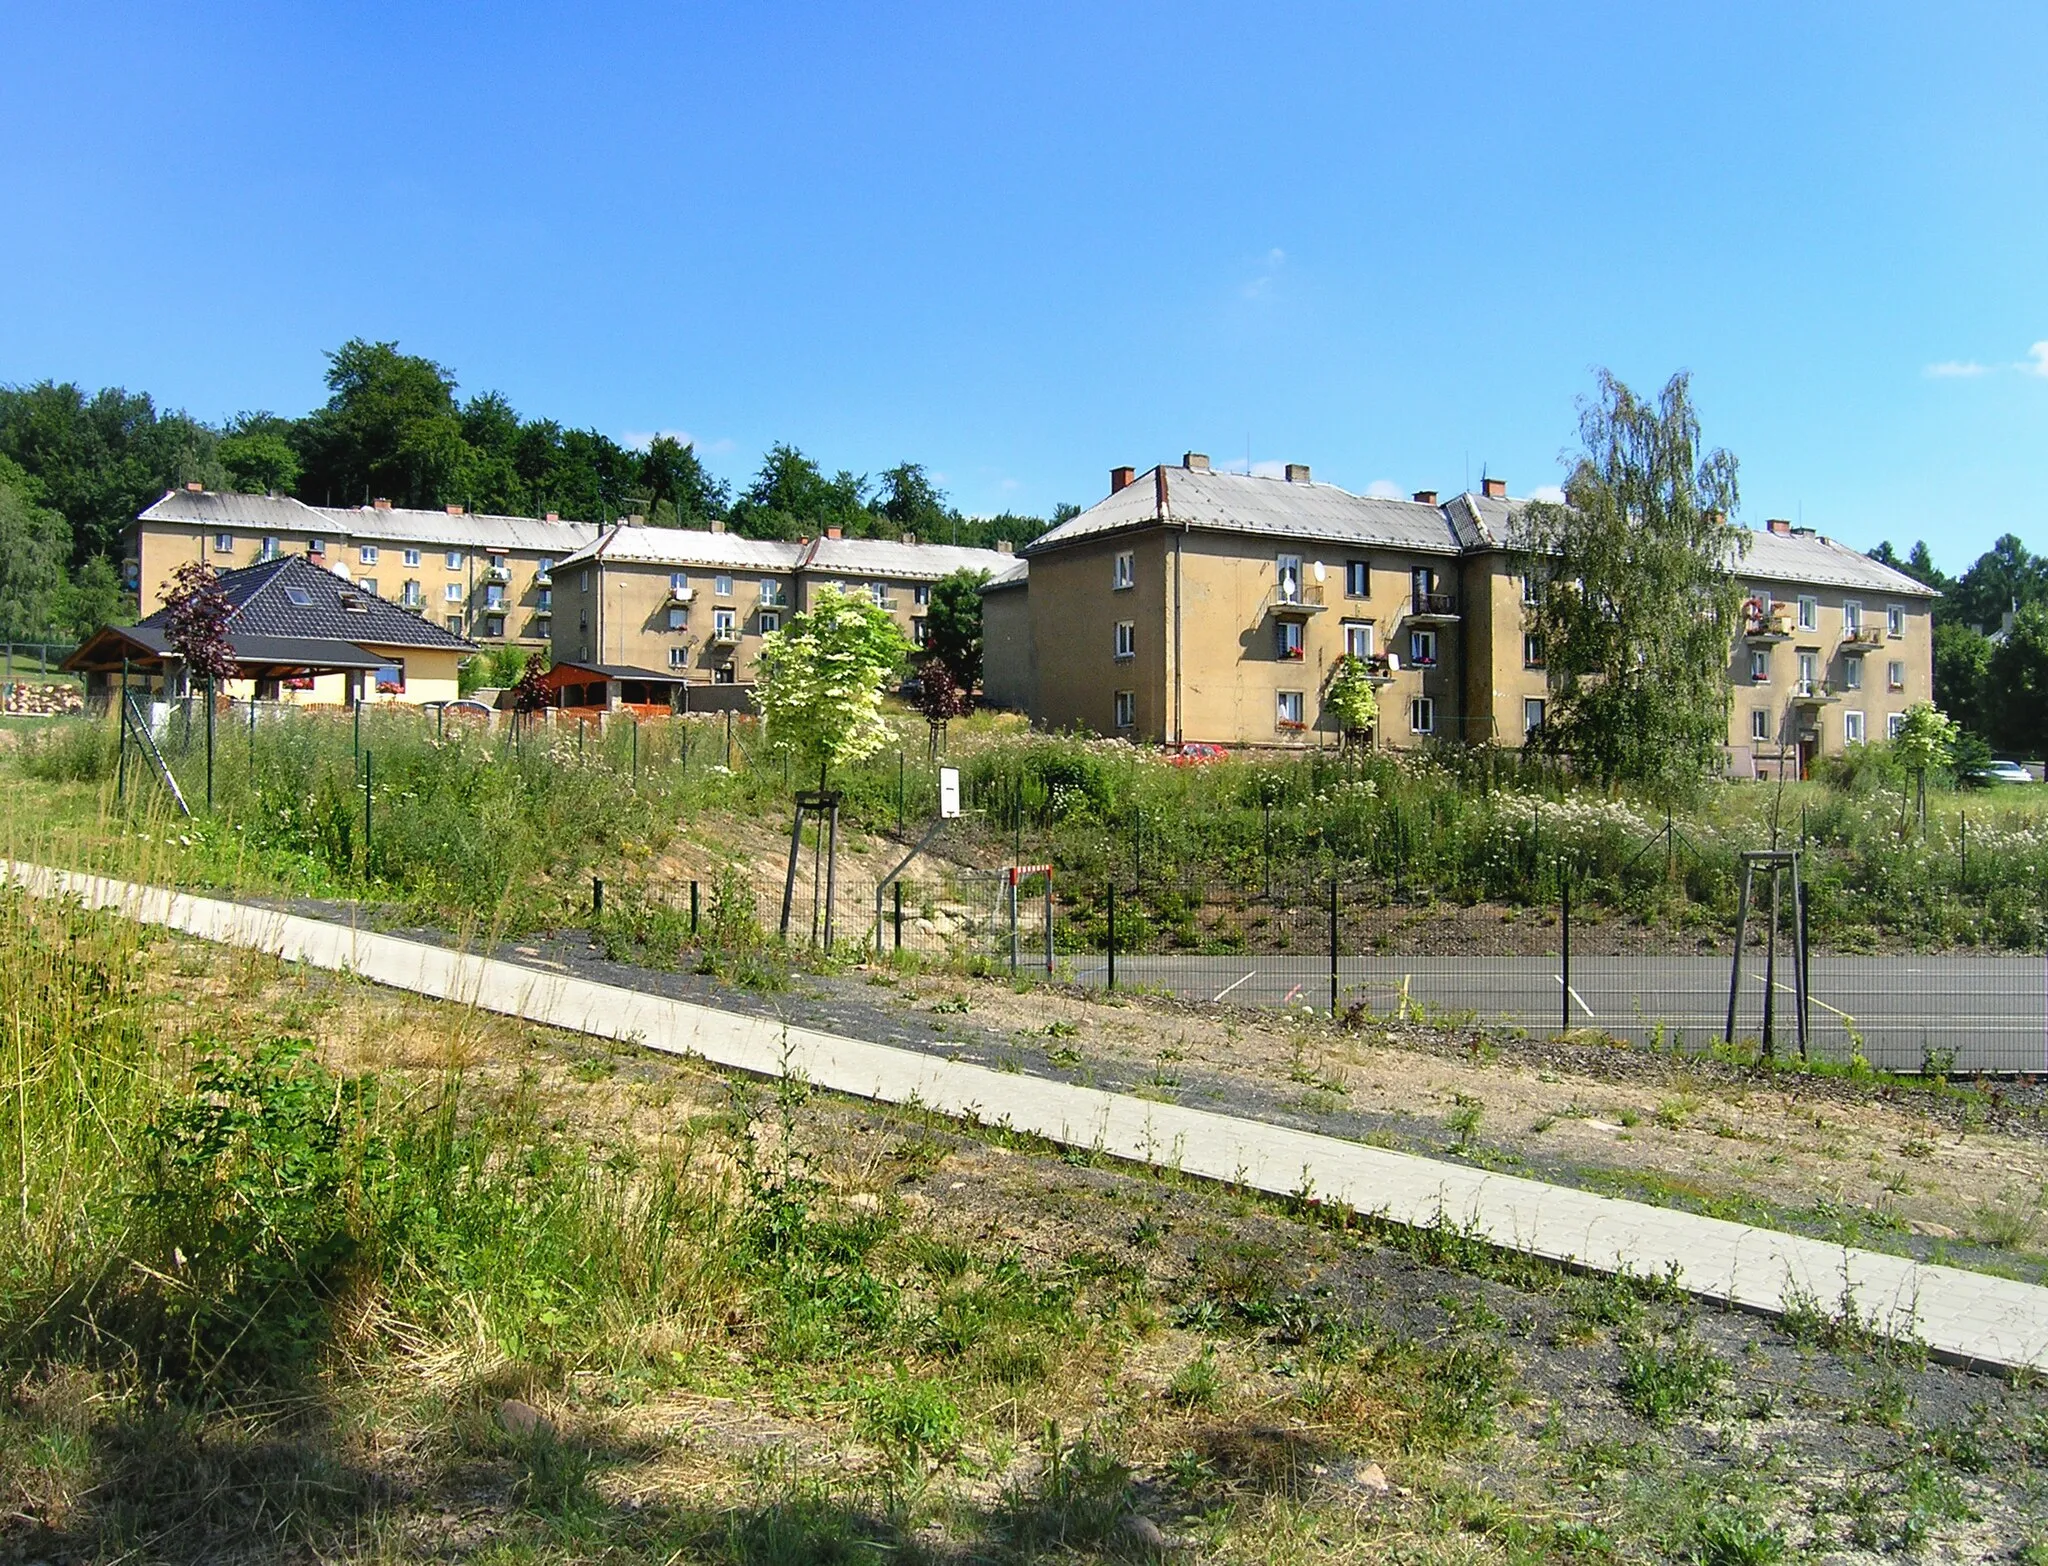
2006	772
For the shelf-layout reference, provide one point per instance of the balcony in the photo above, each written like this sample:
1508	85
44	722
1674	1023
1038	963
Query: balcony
1380	668
543	612
1860	641
884	603
497	573
1814	693
1773	625
1297	601
543	579
682	595
1433	607
726	636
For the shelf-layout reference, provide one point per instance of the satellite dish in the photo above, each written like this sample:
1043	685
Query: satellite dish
1319	570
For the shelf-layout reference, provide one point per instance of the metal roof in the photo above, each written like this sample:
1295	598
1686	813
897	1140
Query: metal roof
1811	560
888	557
1267	507
612	671
215	507
369	524
1016	574
632	544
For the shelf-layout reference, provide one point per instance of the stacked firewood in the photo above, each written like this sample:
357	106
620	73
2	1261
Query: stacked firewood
22	699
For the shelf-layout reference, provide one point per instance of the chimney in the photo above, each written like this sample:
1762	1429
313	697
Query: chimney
554	516
1119	477
195	486
1195	462
381	504
1425	497
835	531
1493	488
455	511
1781	526
909	538
718	524
1297	472
1005	547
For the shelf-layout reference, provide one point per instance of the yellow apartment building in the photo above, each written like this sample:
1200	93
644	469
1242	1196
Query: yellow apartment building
485	578
1196	606
696	603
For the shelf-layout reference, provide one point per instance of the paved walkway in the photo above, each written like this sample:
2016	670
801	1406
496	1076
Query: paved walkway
1961	1315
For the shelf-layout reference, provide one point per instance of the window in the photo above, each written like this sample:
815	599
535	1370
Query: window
918	632
1358	638
1852	728
223	543
1422	649
1852	674
1123	571
455	560
1288	715
391	680
316	548
454	623
1532	651
1759	665
678	619
878	594
1809	613
1127	638
771	590
494	626
678	657
1852	617
724	623
724	675
1358	579
771	621
494	596
678	582
1422	716
452	593
545	598
409	595
298	598
1532	714
1528	588
721	587
545	566
269	549
922	593
1126	709
366	554
1288	570
1893	722
367	583
497	561
1895	675
1809	672
1759	725
1289	638
1895	620
583	581
412	557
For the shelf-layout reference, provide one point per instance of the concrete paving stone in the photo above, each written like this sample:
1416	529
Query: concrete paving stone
1962	1315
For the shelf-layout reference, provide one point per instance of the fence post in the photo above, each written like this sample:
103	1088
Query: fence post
367	829
1112	936
899	803
1963	859
1564	923
209	744
121	756
1013	919
897	887
728	741
357	704
636	747
597	896
1048	922
1333	946
693	907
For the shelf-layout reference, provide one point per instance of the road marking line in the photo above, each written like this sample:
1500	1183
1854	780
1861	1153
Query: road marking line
1249	972
1811	998
1558	978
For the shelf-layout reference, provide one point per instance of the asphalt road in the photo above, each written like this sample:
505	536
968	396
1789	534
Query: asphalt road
1989	1010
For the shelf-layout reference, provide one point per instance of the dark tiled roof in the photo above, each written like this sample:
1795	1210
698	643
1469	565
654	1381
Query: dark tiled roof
335	610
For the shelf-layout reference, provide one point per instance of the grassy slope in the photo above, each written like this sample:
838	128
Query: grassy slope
760	1328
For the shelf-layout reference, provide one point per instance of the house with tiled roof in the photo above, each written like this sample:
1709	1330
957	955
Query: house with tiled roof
299	633
1191	605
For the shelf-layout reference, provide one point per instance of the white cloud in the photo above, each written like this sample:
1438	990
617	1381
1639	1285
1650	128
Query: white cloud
1269	268
2037	360
640	440
1385	489
1549	492
1269	470
1957	369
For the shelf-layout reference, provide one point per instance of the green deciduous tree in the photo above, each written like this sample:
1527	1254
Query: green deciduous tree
35	543
1351	699
2015	692
678	490
820	680
389	429
1638	604
1962	666
92	598
259	462
952	626
1925	743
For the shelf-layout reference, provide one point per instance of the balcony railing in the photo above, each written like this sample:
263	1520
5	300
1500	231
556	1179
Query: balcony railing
1433	606
726	636
682	595
1297	599
497	573
1814	693
1862	639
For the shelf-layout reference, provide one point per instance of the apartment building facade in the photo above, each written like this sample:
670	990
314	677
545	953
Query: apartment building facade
695	603
488	579
1197	606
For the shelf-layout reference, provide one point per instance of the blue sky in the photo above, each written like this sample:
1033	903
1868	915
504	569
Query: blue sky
1022	244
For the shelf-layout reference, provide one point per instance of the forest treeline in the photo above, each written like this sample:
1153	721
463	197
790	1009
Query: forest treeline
75	468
